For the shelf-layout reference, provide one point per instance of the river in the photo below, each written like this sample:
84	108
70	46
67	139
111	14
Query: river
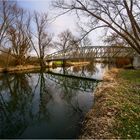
47	104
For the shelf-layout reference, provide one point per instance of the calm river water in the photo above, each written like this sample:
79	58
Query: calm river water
47	105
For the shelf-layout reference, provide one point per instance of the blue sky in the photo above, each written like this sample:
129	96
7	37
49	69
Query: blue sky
43	6
38	5
60	24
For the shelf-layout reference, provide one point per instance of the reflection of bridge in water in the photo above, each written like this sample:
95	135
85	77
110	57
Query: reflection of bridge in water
91	52
74	82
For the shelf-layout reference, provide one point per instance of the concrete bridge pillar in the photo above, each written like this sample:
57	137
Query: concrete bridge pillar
136	62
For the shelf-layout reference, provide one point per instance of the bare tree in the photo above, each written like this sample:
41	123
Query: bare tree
19	37
85	42
44	40
117	16
7	9
66	40
115	40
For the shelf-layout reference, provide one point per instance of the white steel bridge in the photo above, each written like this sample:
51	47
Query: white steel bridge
92	52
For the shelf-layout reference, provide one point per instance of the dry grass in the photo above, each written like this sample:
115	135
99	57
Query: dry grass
98	120
78	63
19	68
109	110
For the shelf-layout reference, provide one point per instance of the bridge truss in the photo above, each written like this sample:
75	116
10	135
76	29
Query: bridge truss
91	52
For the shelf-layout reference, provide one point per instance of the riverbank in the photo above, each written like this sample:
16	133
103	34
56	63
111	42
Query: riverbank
20	68
28	68
116	110
78	63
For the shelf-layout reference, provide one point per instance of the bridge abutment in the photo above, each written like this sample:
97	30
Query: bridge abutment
136	62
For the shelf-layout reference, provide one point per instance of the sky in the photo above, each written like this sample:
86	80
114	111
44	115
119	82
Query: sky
57	26
61	23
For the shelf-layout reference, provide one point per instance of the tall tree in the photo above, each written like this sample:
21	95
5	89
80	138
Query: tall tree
119	16
44	40
19	37
7	10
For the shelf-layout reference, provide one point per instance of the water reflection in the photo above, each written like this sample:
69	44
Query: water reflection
43	105
73	82
15	100
92	70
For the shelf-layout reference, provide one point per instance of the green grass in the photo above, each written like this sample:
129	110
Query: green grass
127	119
131	75
58	62
116	112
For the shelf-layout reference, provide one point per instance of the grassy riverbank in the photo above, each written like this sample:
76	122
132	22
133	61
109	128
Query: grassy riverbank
116	112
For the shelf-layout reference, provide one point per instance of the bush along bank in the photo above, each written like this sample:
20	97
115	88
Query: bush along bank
116	112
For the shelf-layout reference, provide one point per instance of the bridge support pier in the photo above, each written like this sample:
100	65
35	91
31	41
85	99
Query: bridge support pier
136	62
49	63
64	63
64	66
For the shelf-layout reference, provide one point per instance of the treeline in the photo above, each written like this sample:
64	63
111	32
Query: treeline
22	33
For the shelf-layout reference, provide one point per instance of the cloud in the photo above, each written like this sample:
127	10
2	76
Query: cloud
63	23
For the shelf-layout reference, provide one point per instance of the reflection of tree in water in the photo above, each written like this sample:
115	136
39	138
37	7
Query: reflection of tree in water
70	96
70	88
24	101
45	97
65	70
16	98
108	65
74	82
90	69
81	71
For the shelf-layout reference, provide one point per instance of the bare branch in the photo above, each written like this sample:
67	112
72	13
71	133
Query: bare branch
121	16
